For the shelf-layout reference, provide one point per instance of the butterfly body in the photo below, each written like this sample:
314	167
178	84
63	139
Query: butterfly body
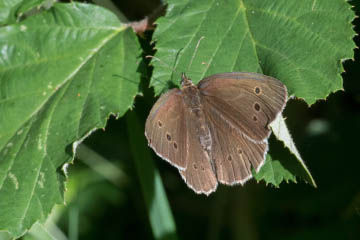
192	101
217	130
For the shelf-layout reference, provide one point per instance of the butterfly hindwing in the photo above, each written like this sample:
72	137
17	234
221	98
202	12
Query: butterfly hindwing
232	153
199	174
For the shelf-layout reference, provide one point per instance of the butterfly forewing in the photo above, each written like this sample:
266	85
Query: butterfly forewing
248	102
166	128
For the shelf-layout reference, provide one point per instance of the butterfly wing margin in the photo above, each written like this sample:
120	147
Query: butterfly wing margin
247	101
232	153
165	128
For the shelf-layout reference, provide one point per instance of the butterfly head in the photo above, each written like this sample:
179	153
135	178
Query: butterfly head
185	81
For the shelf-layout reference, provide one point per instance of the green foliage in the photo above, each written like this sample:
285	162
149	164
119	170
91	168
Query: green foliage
11	10
301	43
296	165
278	39
64	70
58	84
161	219
273	172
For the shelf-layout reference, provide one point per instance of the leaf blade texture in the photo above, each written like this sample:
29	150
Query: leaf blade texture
58	84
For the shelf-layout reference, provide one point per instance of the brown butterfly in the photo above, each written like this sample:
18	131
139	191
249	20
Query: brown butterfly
217	130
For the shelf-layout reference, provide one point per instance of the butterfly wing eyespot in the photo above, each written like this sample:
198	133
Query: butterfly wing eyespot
257	106
168	137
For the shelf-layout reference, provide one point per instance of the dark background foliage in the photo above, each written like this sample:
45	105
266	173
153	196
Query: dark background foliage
326	135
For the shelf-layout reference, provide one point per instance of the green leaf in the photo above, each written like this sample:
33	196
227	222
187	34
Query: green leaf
48	231
273	172
301	43
282	133
11	10
58	83
5	236
161	219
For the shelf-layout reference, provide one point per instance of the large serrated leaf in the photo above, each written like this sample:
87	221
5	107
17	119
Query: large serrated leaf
301	43
58	82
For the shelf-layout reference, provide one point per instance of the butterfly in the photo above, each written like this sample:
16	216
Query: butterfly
216	131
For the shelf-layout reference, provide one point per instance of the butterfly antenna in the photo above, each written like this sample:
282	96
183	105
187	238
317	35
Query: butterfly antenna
168	66
193	56
164	63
